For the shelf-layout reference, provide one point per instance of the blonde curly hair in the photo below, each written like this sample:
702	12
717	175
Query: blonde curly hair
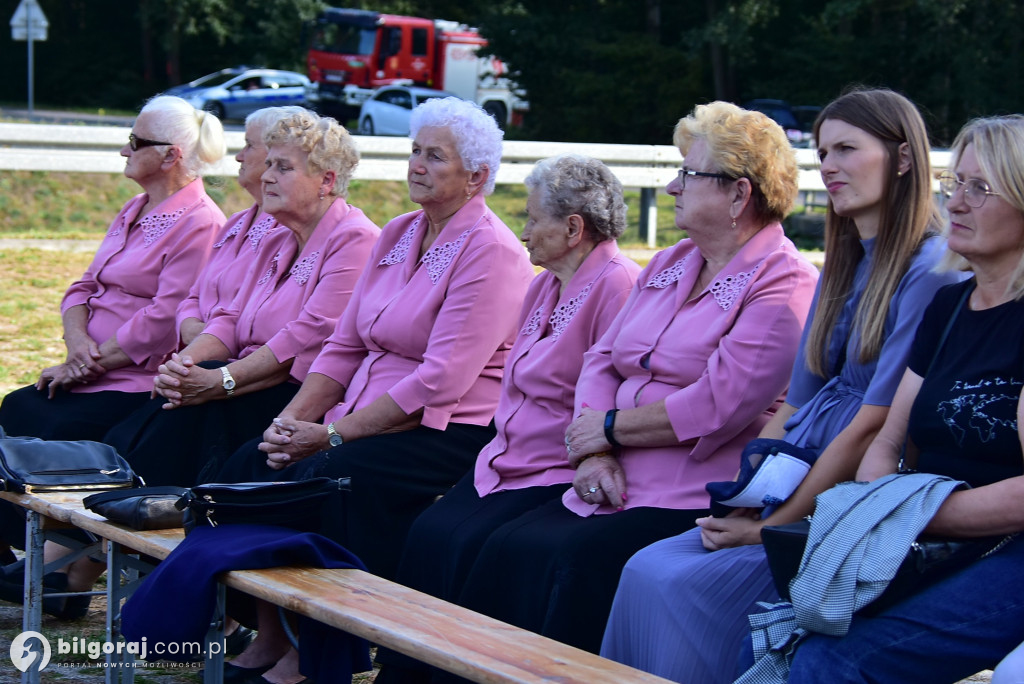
328	145
745	144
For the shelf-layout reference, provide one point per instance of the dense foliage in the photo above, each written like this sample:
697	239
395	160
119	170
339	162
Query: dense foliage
595	70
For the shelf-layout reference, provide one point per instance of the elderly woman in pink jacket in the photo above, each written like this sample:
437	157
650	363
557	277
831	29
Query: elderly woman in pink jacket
253	353
575	212
402	396
688	373
119	316
235	247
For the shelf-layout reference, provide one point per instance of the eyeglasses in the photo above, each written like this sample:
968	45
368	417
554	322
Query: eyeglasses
976	191
684	172
135	142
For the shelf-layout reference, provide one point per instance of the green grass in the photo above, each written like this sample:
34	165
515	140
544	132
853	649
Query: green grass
36	204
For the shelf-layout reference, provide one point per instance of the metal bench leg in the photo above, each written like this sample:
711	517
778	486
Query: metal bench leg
121	664
32	608
213	672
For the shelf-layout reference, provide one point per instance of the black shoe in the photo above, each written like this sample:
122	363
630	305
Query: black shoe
239	640
12	589
233	674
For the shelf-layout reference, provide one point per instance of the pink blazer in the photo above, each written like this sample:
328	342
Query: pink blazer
139	276
432	332
536	404
721	362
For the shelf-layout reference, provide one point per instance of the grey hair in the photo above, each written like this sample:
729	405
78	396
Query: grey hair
261	120
327	144
477	136
574	184
199	134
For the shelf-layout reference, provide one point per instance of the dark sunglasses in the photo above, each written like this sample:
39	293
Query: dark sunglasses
135	142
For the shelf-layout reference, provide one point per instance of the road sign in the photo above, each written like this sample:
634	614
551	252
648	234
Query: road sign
29	22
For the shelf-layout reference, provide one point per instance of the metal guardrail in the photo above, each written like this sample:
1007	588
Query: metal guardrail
95	149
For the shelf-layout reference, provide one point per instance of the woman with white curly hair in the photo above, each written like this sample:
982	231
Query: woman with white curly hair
402	395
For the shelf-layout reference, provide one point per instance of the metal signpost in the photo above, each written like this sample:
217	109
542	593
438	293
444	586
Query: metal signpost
29	24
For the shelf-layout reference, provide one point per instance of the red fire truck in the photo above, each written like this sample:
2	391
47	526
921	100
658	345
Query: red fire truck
353	52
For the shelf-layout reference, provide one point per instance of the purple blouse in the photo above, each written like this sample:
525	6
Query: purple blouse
234	252
293	309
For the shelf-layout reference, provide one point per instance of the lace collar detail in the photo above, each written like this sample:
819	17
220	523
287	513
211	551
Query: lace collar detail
533	325
230	234
153	226
300	271
398	253
671	274
727	289
260	231
563	315
439	257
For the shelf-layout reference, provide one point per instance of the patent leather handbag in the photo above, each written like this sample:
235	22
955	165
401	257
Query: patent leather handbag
142	508
37	465
928	560
285	504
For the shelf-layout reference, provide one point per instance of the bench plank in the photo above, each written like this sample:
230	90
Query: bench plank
442	634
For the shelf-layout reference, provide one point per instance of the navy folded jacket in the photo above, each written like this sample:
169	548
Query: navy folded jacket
175	603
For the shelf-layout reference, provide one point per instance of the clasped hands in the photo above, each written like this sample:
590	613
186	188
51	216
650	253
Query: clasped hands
599	476
81	366
288	441
182	383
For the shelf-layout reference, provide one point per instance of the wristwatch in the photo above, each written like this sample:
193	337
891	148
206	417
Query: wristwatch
333	437
228	383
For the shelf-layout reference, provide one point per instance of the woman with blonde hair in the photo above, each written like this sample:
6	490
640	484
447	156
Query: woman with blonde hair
681	607
254	352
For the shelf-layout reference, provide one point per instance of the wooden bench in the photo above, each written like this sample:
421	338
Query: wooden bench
436	632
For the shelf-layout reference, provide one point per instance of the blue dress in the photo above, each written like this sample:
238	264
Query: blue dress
681	611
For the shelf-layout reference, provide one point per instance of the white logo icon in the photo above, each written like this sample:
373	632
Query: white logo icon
24	655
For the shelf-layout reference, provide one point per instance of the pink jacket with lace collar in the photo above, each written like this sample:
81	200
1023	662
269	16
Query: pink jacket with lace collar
537	391
432	332
139	276
721	362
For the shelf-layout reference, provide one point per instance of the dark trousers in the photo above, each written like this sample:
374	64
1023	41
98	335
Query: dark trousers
27	412
190	444
395	477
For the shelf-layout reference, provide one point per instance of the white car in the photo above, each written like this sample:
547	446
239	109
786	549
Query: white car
387	111
236	92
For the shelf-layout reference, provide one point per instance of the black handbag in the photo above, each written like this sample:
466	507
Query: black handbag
286	504
37	465
928	560
143	508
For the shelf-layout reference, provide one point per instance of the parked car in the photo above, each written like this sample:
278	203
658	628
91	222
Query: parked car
797	121
235	92
387	111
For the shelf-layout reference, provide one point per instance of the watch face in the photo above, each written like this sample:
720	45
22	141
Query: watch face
229	384
335	440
